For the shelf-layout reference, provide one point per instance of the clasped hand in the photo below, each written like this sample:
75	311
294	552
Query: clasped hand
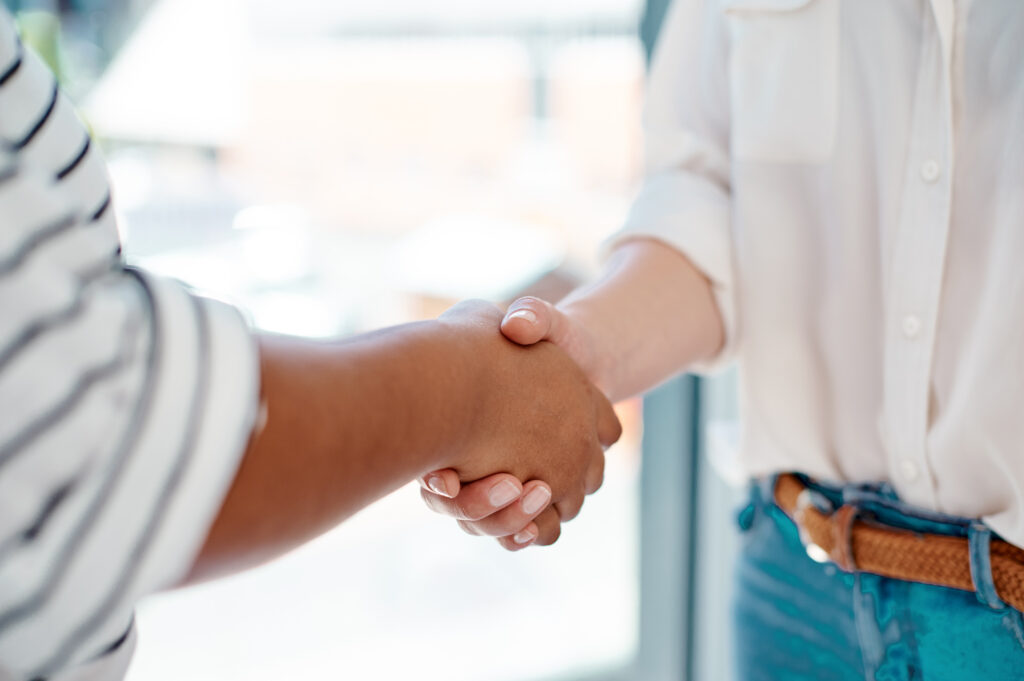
545	429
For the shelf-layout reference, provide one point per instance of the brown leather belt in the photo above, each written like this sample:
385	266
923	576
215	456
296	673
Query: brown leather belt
855	544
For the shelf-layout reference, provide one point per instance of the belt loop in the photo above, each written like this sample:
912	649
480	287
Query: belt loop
767	488
745	517
842	528
979	540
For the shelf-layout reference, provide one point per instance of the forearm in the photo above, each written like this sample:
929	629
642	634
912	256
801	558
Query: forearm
650	315
347	423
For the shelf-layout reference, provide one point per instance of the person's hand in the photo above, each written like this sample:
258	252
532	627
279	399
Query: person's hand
539	418
499	505
531	320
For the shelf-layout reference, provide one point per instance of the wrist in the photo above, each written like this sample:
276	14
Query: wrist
590	343
471	367
415	384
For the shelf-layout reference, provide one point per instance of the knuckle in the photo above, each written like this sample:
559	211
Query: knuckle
468	527
552	536
510	525
616	431
470	512
490	527
510	544
570	510
431	501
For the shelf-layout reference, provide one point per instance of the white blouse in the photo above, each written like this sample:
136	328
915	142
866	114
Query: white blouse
850	176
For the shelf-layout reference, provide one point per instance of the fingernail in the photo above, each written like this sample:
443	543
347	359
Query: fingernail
503	493
524	537
526	314
535	500
435	483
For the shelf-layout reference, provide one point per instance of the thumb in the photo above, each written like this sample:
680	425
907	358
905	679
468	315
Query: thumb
443	482
531	320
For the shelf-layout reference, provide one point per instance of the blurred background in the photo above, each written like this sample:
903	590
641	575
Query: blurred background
331	167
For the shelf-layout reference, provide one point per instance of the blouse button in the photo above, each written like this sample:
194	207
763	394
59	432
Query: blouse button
911	326
908	469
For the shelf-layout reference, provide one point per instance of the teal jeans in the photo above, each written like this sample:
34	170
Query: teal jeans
797	620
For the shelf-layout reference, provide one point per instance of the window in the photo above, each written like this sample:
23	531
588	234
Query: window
334	167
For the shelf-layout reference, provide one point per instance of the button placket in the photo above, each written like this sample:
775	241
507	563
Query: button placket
918	262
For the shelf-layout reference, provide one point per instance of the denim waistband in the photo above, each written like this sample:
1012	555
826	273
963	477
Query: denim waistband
876	501
879	503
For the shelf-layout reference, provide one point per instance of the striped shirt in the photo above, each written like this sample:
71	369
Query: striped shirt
125	401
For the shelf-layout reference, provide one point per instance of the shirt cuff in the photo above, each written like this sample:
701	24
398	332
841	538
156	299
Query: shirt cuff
225	367
192	415
690	214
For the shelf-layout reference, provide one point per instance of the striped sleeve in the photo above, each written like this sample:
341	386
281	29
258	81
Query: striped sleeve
39	125
127	400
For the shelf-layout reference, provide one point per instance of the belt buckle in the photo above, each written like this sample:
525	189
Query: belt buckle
804	501
841	523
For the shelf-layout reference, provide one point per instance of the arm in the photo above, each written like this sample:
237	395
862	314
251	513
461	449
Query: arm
350	422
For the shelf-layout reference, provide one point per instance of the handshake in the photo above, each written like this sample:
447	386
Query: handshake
537	428
503	418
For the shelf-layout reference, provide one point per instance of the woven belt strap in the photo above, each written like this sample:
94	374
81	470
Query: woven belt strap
856	545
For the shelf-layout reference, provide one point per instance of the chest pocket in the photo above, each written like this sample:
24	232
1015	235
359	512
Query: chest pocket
784	79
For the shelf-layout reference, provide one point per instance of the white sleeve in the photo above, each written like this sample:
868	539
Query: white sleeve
684	201
127	401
